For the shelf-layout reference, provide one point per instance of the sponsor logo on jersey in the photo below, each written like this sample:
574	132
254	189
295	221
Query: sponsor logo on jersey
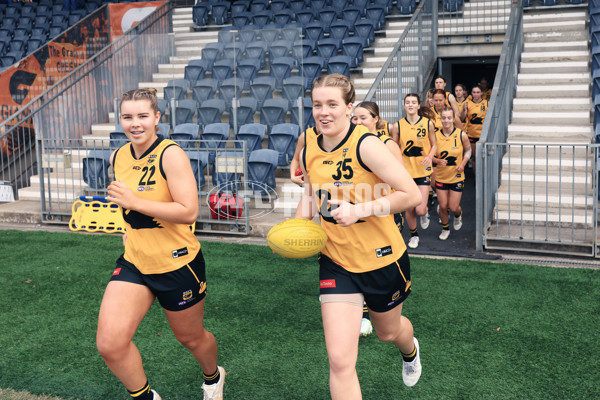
337	184
179	252
327	283
187	295
383	251
117	271
136	167
327	162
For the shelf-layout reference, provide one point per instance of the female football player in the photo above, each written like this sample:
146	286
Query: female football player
156	189
462	95
348	173
453	153
475	117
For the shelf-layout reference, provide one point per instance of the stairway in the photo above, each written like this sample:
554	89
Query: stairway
552	106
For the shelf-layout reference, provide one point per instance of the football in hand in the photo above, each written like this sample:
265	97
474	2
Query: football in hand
297	238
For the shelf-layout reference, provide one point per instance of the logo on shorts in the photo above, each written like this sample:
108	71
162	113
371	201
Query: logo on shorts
384	251
187	295
179	252
202	287
327	283
117	271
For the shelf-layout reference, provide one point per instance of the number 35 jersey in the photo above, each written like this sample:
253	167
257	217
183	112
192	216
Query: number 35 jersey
415	145
153	245
370	243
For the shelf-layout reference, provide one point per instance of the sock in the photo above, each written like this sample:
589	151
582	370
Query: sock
446	227
143	393
414	232
459	214
212	378
411	356
366	312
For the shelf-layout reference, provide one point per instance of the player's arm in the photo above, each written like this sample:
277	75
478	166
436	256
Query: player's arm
464	111
395	149
307	207
394	130
183	209
466	152
295	163
428	159
384	164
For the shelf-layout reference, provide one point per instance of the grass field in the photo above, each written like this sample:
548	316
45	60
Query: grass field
487	330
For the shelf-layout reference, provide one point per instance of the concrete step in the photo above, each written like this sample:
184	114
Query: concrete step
543	56
541	163
553	203
579	45
561	153
542	91
554	16
60	181
567	117
567	186
549	134
580	218
553	26
556	36
552	104
531	67
553	79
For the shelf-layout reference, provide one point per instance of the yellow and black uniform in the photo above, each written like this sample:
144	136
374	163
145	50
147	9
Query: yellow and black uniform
384	130
475	118
487	95
448	99
371	247
437	123
461	104
451	149
162	255
414	144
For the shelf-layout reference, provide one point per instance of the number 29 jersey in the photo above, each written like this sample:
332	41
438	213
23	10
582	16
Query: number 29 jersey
153	245
414	144
370	243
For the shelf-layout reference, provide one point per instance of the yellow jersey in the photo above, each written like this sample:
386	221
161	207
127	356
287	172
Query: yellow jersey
414	144
451	149
153	245
370	243
475	118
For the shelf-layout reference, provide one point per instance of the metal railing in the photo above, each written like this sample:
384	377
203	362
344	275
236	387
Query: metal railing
477	17
410	63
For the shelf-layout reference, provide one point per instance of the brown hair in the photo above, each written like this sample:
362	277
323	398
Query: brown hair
142	94
339	81
424	110
438	91
448	109
373	109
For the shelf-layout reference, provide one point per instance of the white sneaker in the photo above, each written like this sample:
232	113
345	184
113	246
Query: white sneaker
411	371
425	221
444	235
458	222
366	328
215	391
155	396
413	243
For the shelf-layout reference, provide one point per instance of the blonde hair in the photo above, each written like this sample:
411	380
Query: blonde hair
142	94
339	81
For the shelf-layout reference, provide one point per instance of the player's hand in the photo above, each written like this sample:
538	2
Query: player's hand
427	160
442	162
344	214
121	194
298	180
460	168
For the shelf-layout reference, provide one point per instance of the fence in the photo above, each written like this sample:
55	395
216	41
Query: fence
477	17
410	63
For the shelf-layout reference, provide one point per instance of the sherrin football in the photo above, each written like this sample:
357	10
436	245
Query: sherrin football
297	238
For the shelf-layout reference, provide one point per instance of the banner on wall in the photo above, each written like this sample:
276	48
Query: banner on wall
123	16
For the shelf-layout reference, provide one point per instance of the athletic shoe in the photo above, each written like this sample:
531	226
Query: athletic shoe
425	221
155	396
413	243
411	371
444	235
365	327
215	391
438	213
458	222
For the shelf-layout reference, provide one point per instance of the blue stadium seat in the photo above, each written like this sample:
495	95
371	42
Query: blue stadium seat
247	71
311	69
341	29
270	34
453	5
297	5
328	15
199	161
117	139
163	130
283	17
185	134
261	18
292	89
406	6
283	138
291	32
176	89
386	4
242	19
307	116
248	34
352	15
328	48
365	28
95	169
280	48
262	88
233	50
210	111
222	69
253	134
246	108
339	65
305	16
229	89
213	137
353	48
339	5
549	2
278	5
315	31
218	12
281	68
226	35
360	3
273	112
211	53
184	112
239	6
302	49
257	6
262	164
195	70
257	50
200	13
204	89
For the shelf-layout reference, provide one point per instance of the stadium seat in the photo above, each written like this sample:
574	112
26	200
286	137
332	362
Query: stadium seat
328	48
311	69
307	116
252	134
292	89
200	13
549	2
453	5
176	89
210	111
278	5
328	15
163	130
262	164
352	15
341	29
248	34
360	3
273	112
229	89
339	65
241	20
211	53
214	137
7	60
233	50
247	71
365	28
270	34
283	17
226	35
262	88
246	108
195	70
184	112
406	6
218	12
204	89
185	134
199	161
297	5
281	68
222	69
283	138
305	16
386	4
117	139
257	50
302	49
261	18
315	31
291	32
279	48
95	169
257	6
353	48
239	6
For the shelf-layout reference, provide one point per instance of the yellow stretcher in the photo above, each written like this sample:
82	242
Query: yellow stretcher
96	214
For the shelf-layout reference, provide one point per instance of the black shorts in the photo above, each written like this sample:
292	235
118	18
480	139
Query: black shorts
383	288
424	181
455	187
473	139
175	290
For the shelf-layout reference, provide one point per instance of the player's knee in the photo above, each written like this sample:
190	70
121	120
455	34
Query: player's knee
386	335
341	365
421	209
194	341
110	347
